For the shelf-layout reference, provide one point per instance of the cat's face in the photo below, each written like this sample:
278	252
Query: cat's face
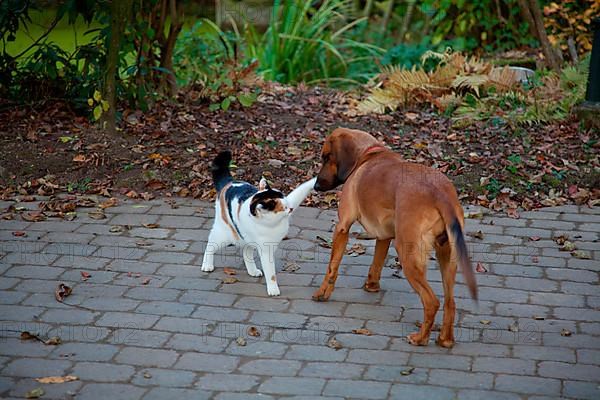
268	203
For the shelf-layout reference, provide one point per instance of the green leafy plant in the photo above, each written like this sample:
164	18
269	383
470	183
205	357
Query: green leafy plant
306	43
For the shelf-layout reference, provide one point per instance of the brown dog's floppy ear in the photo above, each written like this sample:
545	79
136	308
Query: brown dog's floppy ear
346	160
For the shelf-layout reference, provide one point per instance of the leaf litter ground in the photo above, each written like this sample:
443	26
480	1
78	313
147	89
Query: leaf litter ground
168	150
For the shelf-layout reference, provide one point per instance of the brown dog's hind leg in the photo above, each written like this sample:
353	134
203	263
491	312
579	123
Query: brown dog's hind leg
414	255
448	269
381	251
340	239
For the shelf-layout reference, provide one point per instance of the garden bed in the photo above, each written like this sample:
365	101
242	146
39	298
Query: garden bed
168	150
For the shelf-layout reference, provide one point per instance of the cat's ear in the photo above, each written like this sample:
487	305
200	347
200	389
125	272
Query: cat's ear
263	185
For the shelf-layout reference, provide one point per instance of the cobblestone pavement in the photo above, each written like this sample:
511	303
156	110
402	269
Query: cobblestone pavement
149	324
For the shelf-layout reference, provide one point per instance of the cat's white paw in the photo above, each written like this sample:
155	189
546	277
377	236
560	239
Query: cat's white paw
208	268
273	290
255	273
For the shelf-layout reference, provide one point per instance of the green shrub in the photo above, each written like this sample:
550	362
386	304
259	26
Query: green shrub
309	44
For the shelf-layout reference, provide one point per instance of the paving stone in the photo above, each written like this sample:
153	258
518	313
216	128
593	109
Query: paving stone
262	304
397	374
557	299
280	320
315	353
228	382
440	361
185	222
208	298
383	357
261	349
357	389
152	293
161	393
34	271
554	369
193	283
581	390
110	304
12	297
127	320
271	367
11	346
62	391
199	343
163	377
207	362
220	314
84	351
113	391
528	384
147	357
420	392
468	394
68	317
20	313
544	353
336	370
36	367
373	342
171	257
450	378
137	337
332	308
103	372
505	365
166	308
290	386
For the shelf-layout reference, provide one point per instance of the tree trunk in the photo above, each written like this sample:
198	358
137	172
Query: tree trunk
120	11
168	82
531	11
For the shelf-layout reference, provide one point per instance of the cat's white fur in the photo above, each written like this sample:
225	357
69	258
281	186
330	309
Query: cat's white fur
262	232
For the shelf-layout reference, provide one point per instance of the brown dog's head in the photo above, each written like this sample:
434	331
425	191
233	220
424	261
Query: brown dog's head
341	152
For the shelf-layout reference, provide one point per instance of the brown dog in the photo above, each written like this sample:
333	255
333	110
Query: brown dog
415	205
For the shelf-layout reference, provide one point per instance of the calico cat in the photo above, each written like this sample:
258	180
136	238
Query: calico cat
250	217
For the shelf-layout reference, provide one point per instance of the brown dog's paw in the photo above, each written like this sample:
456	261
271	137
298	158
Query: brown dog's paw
372	287
319	295
446	343
417	340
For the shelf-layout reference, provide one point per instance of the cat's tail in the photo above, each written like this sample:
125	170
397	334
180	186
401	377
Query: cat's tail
220	170
300	193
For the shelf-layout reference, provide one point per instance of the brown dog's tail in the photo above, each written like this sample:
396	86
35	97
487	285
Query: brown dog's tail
456	237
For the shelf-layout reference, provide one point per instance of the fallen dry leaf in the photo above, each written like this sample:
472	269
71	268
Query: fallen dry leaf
534	238
151	226
480	268
582	255
240	341
253	331
565	332
53	341
229	271
407	371
34	216
108	203
229	280
57	379
146	281
567	246
324	242
147	375
62	291
334	343
290	266
85	276
19	234
485	322
362	331
514	327
356	250
35	393
96	215
476	235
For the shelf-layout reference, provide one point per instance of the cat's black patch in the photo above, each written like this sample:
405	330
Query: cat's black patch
267	199
241	191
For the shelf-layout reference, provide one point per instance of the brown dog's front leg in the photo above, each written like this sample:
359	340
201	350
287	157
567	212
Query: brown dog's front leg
340	239
381	251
